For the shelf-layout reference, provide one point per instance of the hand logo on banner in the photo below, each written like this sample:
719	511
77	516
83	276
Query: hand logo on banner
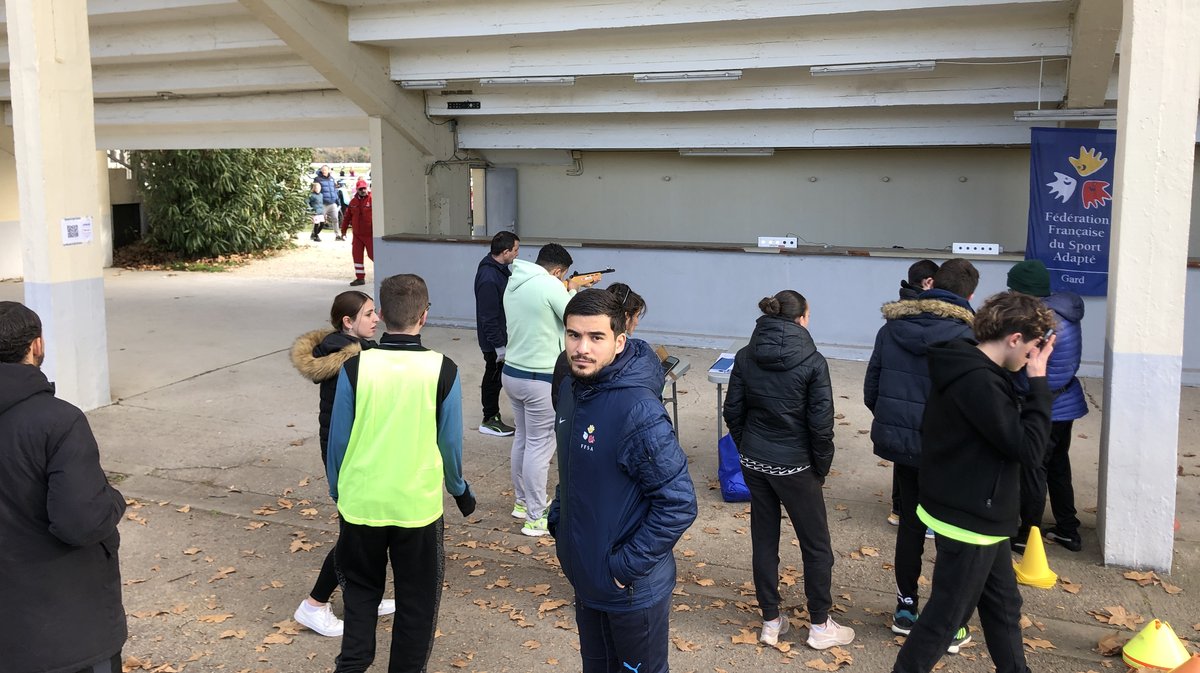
1095	192
1063	186
1089	161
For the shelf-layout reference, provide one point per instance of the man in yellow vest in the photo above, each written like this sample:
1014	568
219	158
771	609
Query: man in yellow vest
395	436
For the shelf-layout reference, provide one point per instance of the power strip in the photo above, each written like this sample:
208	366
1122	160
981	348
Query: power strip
976	248
777	241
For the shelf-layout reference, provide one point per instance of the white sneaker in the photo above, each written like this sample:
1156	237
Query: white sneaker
773	629
386	607
519	511
322	620
829	634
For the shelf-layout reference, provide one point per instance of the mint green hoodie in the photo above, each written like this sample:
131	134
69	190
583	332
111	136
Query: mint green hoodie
534	302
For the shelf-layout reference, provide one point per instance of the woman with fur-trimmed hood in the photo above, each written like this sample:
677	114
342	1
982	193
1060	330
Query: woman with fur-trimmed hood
319	356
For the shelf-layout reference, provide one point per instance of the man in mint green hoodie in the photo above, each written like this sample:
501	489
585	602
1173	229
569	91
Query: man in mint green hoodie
534	301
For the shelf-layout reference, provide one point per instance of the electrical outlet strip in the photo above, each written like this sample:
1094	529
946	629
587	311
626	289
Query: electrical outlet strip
976	248
777	241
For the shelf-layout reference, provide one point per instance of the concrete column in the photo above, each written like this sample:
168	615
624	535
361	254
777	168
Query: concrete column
1156	137
398	185
10	213
58	176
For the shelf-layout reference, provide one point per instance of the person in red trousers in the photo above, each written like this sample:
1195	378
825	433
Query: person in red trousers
358	216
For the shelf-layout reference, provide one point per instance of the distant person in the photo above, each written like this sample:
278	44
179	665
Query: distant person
977	435
1032	278
534	301
344	196
319	356
317	210
491	278
635	308
920	279
895	390
395	439
779	410
58	520
624	495
329	197
358	216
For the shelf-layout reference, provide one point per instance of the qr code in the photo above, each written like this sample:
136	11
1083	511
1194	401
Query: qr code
72	231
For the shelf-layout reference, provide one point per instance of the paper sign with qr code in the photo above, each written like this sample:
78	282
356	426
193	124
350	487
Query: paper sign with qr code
76	230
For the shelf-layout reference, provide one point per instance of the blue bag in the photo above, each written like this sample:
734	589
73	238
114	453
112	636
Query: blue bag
729	472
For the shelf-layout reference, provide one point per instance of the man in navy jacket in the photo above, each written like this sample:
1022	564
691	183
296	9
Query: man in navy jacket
624	496
491	278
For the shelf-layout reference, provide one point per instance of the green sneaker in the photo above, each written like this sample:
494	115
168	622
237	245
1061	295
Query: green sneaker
519	511
536	528
496	427
961	637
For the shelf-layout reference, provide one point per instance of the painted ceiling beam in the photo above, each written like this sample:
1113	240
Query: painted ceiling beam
1094	36
780	44
777	89
391	22
317	31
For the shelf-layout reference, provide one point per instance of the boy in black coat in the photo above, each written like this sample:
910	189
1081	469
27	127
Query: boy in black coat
976	435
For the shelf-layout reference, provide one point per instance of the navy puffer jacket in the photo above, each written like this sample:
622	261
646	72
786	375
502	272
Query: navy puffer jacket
897	383
624	495
1069	402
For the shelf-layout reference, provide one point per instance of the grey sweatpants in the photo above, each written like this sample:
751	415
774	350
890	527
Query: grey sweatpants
533	443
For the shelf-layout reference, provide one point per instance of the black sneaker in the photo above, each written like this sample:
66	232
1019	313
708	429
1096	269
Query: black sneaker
357	281
496	427
903	621
961	637
1018	547
1068	542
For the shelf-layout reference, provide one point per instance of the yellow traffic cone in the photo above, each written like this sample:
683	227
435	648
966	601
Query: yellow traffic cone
1190	666
1033	569
1156	647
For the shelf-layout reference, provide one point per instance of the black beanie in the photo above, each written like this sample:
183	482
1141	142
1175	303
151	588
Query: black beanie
1030	277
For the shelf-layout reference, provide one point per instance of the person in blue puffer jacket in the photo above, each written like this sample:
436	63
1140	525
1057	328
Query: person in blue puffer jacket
1031	277
624	495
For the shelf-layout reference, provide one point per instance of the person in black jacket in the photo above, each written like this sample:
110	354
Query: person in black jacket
319	356
491	278
780	414
58	520
977	434
920	279
895	389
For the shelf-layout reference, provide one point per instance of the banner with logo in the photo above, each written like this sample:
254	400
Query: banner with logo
1070	206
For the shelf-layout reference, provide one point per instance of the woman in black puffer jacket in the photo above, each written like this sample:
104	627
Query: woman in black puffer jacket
319	356
780	413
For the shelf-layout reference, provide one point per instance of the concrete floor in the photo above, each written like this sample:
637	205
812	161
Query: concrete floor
211	423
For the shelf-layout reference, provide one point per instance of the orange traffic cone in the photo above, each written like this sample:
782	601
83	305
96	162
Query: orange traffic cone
1190	666
1033	569
1156	647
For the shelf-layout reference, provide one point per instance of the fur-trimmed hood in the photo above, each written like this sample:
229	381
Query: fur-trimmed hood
936	307
318	368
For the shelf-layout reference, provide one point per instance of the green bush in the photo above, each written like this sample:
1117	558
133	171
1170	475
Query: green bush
219	202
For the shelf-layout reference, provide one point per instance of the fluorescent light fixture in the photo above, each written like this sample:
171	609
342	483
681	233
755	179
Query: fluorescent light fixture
423	84
527	81
696	76
728	152
1077	115
871	68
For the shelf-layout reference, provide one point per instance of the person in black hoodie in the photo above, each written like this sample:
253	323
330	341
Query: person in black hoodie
58	520
895	389
319	356
780	413
977	433
624	495
491	278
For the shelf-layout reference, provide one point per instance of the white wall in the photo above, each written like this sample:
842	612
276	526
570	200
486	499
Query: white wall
661	196
710	298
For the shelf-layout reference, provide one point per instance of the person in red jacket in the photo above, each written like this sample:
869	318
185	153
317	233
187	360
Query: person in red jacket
358	216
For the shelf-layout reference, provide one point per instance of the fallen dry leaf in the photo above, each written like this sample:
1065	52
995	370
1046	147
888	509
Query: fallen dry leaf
1118	616
531	644
869	551
185	509
684	645
745	637
1034	643
213	619
1170	588
711	530
255	525
278	638
477	572
1142	578
239	634
1110	645
549	605
222	574
705	582
192	551
1070	587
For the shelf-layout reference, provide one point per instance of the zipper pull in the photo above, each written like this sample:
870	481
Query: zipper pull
988	503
